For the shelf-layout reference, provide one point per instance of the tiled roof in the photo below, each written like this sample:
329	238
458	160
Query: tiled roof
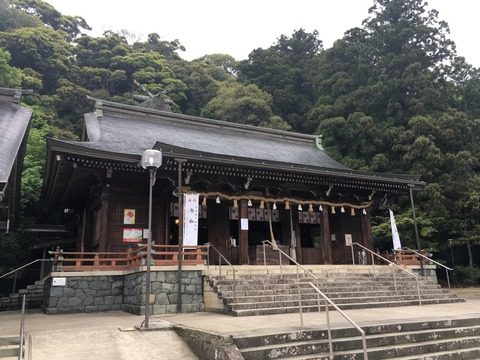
14	121
132	133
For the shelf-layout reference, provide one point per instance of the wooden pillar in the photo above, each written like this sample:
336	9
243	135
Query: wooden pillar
243	234
104	233
296	231
327	244
81	229
160	221
218	233
367	231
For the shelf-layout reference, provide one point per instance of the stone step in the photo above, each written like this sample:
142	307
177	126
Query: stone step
308	308
333	287
406	341
343	280
9	347
286	301
332	294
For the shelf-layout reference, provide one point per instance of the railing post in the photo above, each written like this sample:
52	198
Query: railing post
280	259
234	288
220	267
264	256
22	330
14	283
373	265
418	290
394	279
353	257
448	279
300	304
327	314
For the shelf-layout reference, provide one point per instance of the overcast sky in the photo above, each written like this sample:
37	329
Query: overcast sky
237	28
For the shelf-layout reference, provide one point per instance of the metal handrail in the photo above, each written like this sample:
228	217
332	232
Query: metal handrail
22	331
327	314
24	266
20	268
431	260
220	257
276	248
392	264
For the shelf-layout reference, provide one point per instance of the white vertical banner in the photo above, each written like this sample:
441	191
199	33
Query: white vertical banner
190	219
396	238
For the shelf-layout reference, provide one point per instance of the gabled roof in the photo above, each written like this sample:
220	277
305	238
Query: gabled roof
130	130
14	122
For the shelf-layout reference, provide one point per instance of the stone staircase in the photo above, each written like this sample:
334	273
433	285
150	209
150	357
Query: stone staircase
33	299
454	339
265	294
9	347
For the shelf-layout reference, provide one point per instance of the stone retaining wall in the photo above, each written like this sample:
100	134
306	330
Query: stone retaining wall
99	291
83	294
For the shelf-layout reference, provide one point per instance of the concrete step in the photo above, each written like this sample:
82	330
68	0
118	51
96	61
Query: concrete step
340	302
9	347
275	295
447	339
308	308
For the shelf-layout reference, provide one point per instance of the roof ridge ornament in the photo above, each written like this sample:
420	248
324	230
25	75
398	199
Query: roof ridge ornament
99	109
318	142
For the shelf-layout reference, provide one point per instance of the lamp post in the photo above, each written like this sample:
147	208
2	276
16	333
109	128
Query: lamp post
151	161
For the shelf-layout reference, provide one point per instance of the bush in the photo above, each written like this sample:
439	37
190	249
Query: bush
466	276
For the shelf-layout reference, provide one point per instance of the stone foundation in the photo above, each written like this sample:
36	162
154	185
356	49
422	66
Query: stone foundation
119	290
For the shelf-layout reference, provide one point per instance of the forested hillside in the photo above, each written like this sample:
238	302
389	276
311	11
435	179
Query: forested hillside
391	96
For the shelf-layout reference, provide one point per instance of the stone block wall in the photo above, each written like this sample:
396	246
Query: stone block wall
164	292
83	294
93	292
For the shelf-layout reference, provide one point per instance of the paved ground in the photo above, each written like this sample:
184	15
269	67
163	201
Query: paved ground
112	335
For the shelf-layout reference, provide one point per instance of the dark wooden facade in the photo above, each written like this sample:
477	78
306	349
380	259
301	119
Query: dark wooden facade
308	203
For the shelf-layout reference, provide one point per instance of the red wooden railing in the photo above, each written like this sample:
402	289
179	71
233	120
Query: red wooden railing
162	255
406	257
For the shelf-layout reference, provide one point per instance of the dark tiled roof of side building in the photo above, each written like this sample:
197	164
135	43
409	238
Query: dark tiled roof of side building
14	122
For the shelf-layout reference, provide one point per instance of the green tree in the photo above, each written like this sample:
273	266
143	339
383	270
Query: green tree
12	18
244	105
41	49
283	71
10	77
34	163
69	25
